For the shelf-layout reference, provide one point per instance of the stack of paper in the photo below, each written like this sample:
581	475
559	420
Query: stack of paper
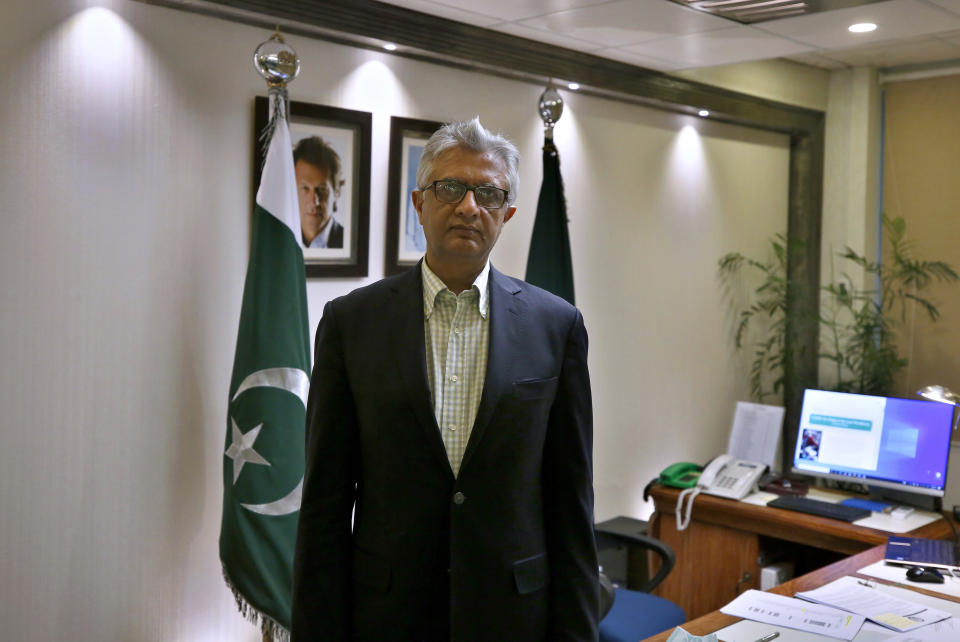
942	631
792	613
863	598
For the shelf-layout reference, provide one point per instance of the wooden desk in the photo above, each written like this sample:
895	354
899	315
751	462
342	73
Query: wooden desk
718	556
848	566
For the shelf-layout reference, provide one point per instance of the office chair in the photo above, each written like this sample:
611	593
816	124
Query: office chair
629	615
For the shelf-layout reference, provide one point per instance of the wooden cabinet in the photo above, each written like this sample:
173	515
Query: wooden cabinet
718	554
714	564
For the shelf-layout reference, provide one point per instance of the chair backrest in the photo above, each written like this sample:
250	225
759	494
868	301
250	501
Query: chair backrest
608	593
663	551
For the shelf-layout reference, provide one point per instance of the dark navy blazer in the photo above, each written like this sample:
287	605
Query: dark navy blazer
504	551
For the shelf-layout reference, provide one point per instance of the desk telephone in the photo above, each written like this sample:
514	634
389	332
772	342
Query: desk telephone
729	477
725	477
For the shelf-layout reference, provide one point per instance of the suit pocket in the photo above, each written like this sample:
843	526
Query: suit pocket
535	388
531	574
370	572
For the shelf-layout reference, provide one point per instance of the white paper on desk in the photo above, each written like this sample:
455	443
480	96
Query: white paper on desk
792	613
862	598
942	631
755	433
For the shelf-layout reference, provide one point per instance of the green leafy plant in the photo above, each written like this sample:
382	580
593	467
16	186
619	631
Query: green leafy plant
858	324
770	301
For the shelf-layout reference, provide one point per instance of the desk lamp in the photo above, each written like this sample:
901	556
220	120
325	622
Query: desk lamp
943	395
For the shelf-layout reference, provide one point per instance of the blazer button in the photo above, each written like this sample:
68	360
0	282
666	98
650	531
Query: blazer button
459	498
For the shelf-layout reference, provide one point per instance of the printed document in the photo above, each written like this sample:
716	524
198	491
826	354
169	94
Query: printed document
942	631
755	433
792	613
876	604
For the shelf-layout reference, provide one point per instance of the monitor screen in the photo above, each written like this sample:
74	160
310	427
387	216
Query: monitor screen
878	441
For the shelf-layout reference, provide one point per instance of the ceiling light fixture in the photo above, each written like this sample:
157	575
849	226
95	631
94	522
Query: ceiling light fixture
749	10
750	4
721	3
862	27
390	46
574	86
703	113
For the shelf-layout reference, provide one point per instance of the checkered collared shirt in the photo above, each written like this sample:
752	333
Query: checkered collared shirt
457	333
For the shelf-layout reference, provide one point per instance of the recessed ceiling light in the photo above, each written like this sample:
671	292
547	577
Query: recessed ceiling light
390	46
574	86
703	113
862	27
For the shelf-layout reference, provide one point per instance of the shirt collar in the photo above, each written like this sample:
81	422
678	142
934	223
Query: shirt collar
320	240
432	286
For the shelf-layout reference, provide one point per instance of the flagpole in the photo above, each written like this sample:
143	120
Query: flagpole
549	263
266	414
278	67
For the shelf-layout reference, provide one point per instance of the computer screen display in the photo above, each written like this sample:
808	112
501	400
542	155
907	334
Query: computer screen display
879	441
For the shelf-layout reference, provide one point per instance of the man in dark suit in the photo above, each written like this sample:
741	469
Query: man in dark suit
450	413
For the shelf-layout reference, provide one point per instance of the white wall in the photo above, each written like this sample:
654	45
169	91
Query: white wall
665	377
124	197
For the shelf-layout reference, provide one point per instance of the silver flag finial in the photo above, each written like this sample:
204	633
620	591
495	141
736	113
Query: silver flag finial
276	61
551	108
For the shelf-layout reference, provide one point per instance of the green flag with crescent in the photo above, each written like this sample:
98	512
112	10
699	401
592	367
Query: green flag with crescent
549	264
263	460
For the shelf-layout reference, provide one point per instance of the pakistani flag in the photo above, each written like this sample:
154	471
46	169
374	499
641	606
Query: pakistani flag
263	460
549	265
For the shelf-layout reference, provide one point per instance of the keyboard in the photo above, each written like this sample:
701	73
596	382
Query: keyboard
816	507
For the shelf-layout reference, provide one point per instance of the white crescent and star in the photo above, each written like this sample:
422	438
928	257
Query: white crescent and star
241	451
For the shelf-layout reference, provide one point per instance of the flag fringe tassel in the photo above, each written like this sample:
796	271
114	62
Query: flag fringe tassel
270	628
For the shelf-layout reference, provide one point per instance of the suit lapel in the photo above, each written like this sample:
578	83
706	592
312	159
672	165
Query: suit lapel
410	356
505	342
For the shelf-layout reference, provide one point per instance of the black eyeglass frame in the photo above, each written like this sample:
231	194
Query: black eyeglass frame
468	188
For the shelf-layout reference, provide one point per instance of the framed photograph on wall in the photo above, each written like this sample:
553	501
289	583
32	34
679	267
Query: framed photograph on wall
404	239
331	149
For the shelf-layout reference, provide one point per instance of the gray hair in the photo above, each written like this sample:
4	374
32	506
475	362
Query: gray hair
475	137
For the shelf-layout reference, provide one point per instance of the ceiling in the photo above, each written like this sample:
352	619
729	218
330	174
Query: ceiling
666	36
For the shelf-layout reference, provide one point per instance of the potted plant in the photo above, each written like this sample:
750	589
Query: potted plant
858	323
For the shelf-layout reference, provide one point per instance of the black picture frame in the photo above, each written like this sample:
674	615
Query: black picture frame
401	246
348	132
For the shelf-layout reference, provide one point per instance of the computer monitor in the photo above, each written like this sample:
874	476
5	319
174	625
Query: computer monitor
883	442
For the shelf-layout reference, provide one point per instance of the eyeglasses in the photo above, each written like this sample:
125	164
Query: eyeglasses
451	191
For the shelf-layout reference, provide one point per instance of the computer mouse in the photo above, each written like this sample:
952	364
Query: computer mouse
921	574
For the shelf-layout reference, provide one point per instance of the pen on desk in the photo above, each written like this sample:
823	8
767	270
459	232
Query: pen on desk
769	637
867	584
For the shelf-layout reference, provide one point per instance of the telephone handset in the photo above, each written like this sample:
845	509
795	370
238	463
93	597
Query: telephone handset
729	477
683	474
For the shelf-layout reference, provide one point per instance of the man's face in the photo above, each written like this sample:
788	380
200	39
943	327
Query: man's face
462	232
315	195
